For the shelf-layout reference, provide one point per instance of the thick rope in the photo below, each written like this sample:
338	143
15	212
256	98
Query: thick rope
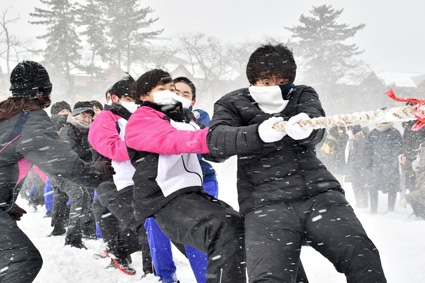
399	114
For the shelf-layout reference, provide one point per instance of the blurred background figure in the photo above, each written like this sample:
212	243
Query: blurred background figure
97	107
416	197
411	142
356	165
332	151
383	147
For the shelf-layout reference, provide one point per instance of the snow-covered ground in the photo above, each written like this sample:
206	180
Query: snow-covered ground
399	238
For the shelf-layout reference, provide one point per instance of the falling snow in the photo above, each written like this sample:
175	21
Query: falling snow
396	235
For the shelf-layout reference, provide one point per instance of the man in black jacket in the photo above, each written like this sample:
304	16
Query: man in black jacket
286	194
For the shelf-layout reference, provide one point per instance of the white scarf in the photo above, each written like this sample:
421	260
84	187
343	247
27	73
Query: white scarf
268	98
166	97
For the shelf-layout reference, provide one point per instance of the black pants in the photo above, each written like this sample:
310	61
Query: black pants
211	226
20	261
124	235
275	233
60	212
374	195
78	211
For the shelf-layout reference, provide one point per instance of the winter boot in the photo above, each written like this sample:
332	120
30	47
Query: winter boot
57	231
75	241
122	263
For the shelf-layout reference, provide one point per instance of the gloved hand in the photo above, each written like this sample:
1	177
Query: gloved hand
106	169
294	130
16	212
266	131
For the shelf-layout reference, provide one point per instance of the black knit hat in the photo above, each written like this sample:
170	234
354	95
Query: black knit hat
27	78
58	106
122	87
82	106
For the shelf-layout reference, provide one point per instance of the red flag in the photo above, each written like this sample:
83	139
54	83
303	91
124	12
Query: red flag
419	114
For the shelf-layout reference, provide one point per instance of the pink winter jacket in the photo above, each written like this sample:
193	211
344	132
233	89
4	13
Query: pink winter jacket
104	137
148	131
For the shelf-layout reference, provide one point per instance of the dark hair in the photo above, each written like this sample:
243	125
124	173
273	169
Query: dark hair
189	83
271	60
122	87
149	80
12	106
58	106
97	104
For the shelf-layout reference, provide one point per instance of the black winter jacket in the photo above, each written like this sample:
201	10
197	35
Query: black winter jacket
382	151
269	172
77	140
40	144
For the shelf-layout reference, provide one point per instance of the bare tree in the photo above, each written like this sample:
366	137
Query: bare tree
207	60
11	44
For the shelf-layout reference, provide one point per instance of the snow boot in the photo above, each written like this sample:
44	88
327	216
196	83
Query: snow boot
123	264
57	231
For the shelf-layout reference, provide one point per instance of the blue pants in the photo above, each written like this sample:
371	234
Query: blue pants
48	195
98	231
162	256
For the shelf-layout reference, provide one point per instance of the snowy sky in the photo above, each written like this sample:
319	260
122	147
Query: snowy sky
393	39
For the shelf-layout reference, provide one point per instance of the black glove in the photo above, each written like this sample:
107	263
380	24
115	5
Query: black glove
16	212
106	169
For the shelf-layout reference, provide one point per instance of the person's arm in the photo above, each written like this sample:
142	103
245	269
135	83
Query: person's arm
147	130
41	145
105	139
309	103
228	136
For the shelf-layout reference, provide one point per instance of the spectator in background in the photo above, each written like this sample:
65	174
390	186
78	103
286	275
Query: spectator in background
383	147
97	107
411	142
332	151
416	197
356	165
59	112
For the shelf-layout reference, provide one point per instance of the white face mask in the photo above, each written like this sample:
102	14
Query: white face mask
166	97
269	98
109	102
130	106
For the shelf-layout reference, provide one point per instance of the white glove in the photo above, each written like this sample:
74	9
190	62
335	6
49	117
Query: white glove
294	130
266	131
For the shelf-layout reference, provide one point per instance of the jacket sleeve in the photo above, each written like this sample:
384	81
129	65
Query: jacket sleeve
228	135
309	103
105	139
146	130
41	145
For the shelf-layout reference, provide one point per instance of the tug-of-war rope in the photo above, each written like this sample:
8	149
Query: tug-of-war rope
398	114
